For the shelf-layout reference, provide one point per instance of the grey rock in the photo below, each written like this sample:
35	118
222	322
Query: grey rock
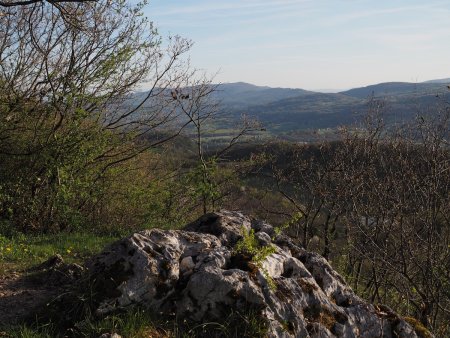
53	262
56	272
110	335
196	275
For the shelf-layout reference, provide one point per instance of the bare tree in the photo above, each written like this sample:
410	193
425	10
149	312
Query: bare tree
201	111
10	3
69	112
397	184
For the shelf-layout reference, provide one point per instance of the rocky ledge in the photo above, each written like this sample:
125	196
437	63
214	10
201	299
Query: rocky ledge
197	275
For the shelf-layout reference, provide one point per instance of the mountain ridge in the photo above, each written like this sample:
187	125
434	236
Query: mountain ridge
287	110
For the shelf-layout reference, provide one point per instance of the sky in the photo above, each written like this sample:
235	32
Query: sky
312	44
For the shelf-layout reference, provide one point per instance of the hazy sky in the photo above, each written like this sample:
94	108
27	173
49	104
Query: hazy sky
312	44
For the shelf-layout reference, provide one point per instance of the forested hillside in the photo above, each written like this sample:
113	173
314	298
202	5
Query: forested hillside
294	113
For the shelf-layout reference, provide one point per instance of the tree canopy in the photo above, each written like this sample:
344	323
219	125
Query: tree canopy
69	111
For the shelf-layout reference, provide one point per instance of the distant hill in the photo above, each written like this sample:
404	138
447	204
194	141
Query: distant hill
290	111
395	89
296	114
446	81
312	110
240	94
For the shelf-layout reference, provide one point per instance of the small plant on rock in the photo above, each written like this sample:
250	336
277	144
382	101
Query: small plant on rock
249	246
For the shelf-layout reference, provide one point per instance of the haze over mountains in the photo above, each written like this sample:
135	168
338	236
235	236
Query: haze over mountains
287	111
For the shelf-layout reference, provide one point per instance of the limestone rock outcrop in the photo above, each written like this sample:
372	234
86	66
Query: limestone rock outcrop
196	274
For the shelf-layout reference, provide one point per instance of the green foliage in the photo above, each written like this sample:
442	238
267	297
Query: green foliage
249	245
69	126
53	186
210	184
202	179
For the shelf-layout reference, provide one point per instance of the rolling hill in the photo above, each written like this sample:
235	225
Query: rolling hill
390	89
300	115
241	94
287	111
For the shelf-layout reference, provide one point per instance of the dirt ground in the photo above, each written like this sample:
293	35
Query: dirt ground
23	294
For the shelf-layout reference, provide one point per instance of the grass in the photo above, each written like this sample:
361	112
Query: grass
24	331
20	251
133	324
139	323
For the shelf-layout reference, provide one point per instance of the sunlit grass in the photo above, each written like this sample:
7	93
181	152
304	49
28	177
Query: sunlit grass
23	251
